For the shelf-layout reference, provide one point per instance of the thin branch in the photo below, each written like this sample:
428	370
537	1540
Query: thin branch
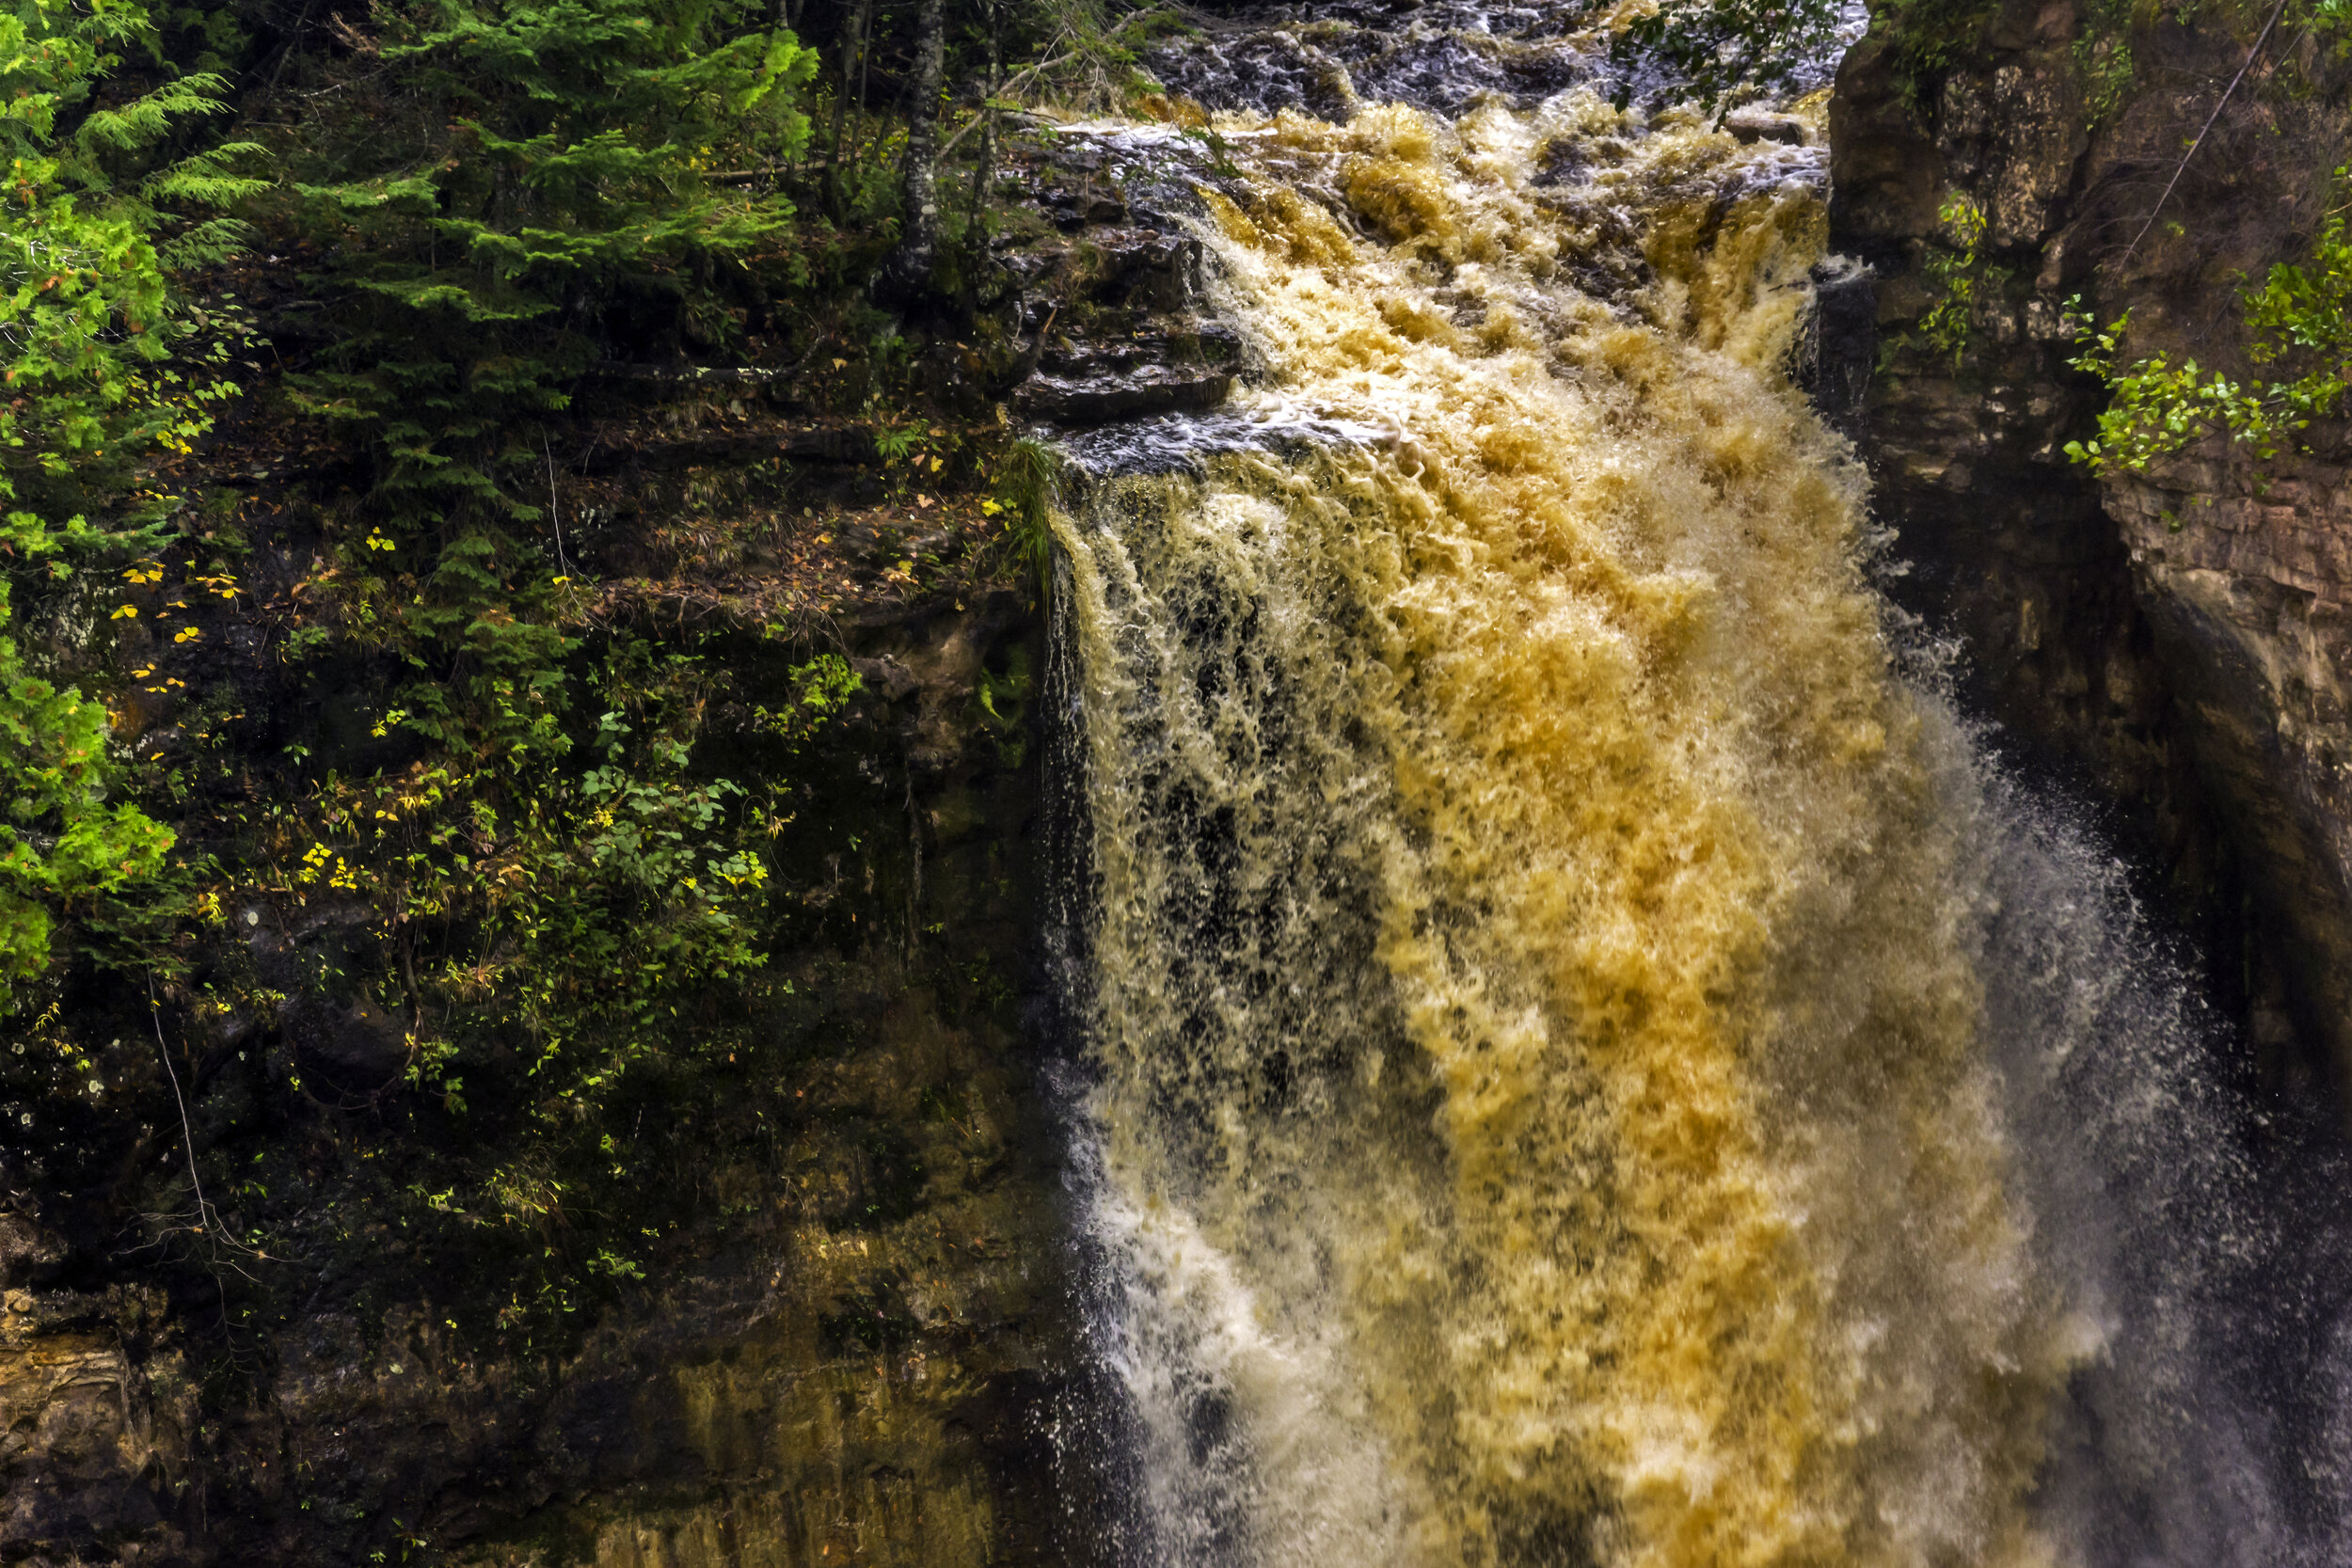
1005	92
208	1223
555	515
2259	41
187	1133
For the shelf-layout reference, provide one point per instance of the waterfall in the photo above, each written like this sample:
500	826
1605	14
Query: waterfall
1585	1059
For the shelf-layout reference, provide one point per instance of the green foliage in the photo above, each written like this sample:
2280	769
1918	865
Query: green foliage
1956	276
2157	408
2332	20
1727	48
539	872
2300	319
60	840
106	363
570	175
567	941
1026	484
103	360
1959	280
2102	57
820	690
1088	52
576	912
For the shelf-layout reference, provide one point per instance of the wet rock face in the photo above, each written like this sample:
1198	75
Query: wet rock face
1328	61
94	1419
1113	302
2170	640
2248	583
856	1363
2004	539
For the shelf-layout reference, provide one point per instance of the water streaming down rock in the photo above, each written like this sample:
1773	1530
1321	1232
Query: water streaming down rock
1587	1064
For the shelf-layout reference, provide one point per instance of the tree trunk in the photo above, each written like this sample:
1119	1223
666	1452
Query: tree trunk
918	239
974	240
852	46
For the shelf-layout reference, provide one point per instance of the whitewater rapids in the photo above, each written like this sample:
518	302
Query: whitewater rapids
1560	1082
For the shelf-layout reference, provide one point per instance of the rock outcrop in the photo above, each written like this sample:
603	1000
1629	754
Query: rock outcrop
1122	330
846	1330
2170	642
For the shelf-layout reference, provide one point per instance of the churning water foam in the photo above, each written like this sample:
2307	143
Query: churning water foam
1586	1059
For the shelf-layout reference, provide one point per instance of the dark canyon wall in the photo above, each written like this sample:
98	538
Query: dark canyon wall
853	1343
853	1330
2170	643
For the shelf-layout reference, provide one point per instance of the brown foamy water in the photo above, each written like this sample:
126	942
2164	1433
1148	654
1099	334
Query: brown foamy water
1540	1110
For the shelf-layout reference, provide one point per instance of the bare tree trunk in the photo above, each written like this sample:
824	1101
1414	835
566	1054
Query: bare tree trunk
987	127
918	241
852	47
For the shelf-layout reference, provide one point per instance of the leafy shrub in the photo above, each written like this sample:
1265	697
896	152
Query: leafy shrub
2300	318
1027	481
62	840
1727	48
1956	278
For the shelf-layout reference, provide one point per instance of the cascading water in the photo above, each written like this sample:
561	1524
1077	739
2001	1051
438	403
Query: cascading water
1586	1061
